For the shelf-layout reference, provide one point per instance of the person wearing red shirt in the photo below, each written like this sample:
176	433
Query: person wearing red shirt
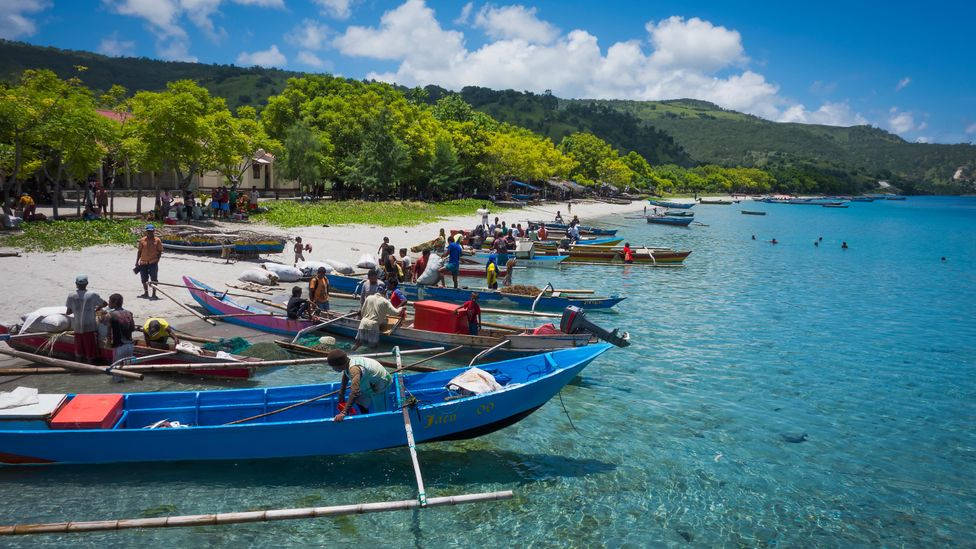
628	253
420	266
472	310
395	293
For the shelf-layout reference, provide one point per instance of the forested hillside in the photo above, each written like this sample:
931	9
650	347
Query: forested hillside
665	137
238	85
713	135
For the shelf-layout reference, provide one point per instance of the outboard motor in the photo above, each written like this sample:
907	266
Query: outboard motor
574	321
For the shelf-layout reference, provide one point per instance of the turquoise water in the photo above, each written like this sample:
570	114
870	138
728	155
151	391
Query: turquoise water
679	439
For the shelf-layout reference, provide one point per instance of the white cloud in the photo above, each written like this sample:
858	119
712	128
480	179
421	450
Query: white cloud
901	122
694	43
687	58
971	128
340	9
112	46
310	59
163	17
922	139
903	83
270	57
465	15
14	22
309	35
514	22
829	114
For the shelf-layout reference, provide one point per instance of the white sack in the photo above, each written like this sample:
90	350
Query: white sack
311	268
430	274
285	273
46	320
340	267
366	261
259	276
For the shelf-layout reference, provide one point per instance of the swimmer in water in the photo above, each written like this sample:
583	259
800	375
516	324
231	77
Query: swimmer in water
843	245
816	243
753	237
773	241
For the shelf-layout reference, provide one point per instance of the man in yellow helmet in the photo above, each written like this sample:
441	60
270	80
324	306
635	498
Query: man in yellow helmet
157	331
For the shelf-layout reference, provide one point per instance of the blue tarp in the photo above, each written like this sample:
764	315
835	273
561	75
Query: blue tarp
526	185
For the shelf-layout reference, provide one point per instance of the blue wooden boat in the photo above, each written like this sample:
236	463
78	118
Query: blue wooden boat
862	199
307	430
584	229
487	298
670	204
681	220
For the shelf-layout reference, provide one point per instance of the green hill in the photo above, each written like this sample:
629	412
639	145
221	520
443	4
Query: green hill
714	135
543	114
238	85
683	131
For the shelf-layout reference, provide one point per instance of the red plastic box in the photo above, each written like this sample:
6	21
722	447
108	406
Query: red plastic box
438	316
89	412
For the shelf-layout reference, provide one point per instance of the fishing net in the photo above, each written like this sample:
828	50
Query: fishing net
314	343
234	346
521	289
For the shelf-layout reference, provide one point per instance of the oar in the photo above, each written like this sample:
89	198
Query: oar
71	365
196	314
317	326
411	444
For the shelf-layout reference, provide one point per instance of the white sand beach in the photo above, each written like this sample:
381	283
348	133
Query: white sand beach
39	279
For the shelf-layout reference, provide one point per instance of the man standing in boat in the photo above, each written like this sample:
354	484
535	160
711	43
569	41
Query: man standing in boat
82	306
375	312
318	292
147	260
120	328
367	380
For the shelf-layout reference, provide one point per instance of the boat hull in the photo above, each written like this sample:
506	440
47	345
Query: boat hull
307	430
642	256
669	204
681	221
487	298
64	348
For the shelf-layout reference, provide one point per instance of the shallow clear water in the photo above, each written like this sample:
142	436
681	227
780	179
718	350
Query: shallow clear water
870	351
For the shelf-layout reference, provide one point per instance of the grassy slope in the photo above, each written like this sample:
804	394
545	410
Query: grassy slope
711	134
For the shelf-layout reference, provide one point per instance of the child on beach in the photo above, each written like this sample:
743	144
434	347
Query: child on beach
300	249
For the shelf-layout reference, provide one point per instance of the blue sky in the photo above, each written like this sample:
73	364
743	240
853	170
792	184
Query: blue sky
907	68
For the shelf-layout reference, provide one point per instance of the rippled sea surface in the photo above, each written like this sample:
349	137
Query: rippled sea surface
681	439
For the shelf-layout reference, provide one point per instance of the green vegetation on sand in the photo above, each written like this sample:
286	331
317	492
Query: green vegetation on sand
290	213
52	236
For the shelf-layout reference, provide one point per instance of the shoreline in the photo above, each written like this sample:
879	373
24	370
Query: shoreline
41	279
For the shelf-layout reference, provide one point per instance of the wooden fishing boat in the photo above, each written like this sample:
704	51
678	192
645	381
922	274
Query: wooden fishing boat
615	256
551	247
671	204
527	260
716	201
752	212
186	238
862	199
205	432
583	229
63	346
682	221
551	301
838	205
433	323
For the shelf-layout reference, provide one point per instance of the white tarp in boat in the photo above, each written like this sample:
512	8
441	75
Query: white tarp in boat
21	396
474	381
46	319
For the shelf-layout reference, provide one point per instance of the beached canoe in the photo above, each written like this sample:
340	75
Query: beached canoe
487	298
433	324
680	220
63	347
615	256
124	434
670	204
583	229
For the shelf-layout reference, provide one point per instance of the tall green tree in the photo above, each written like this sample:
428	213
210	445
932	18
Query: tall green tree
446	171
306	157
184	129
377	168
590	152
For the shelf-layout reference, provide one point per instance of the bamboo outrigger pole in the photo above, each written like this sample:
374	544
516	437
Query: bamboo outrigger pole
411	444
171	298
70	365
248	516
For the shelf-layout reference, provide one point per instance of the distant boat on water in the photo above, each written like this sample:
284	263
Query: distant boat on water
716	201
670	204
752	212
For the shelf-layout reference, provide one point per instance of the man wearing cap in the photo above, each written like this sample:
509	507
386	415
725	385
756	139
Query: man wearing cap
367	381
82	306
147	259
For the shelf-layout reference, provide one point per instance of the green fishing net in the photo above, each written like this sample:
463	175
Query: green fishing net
234	345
